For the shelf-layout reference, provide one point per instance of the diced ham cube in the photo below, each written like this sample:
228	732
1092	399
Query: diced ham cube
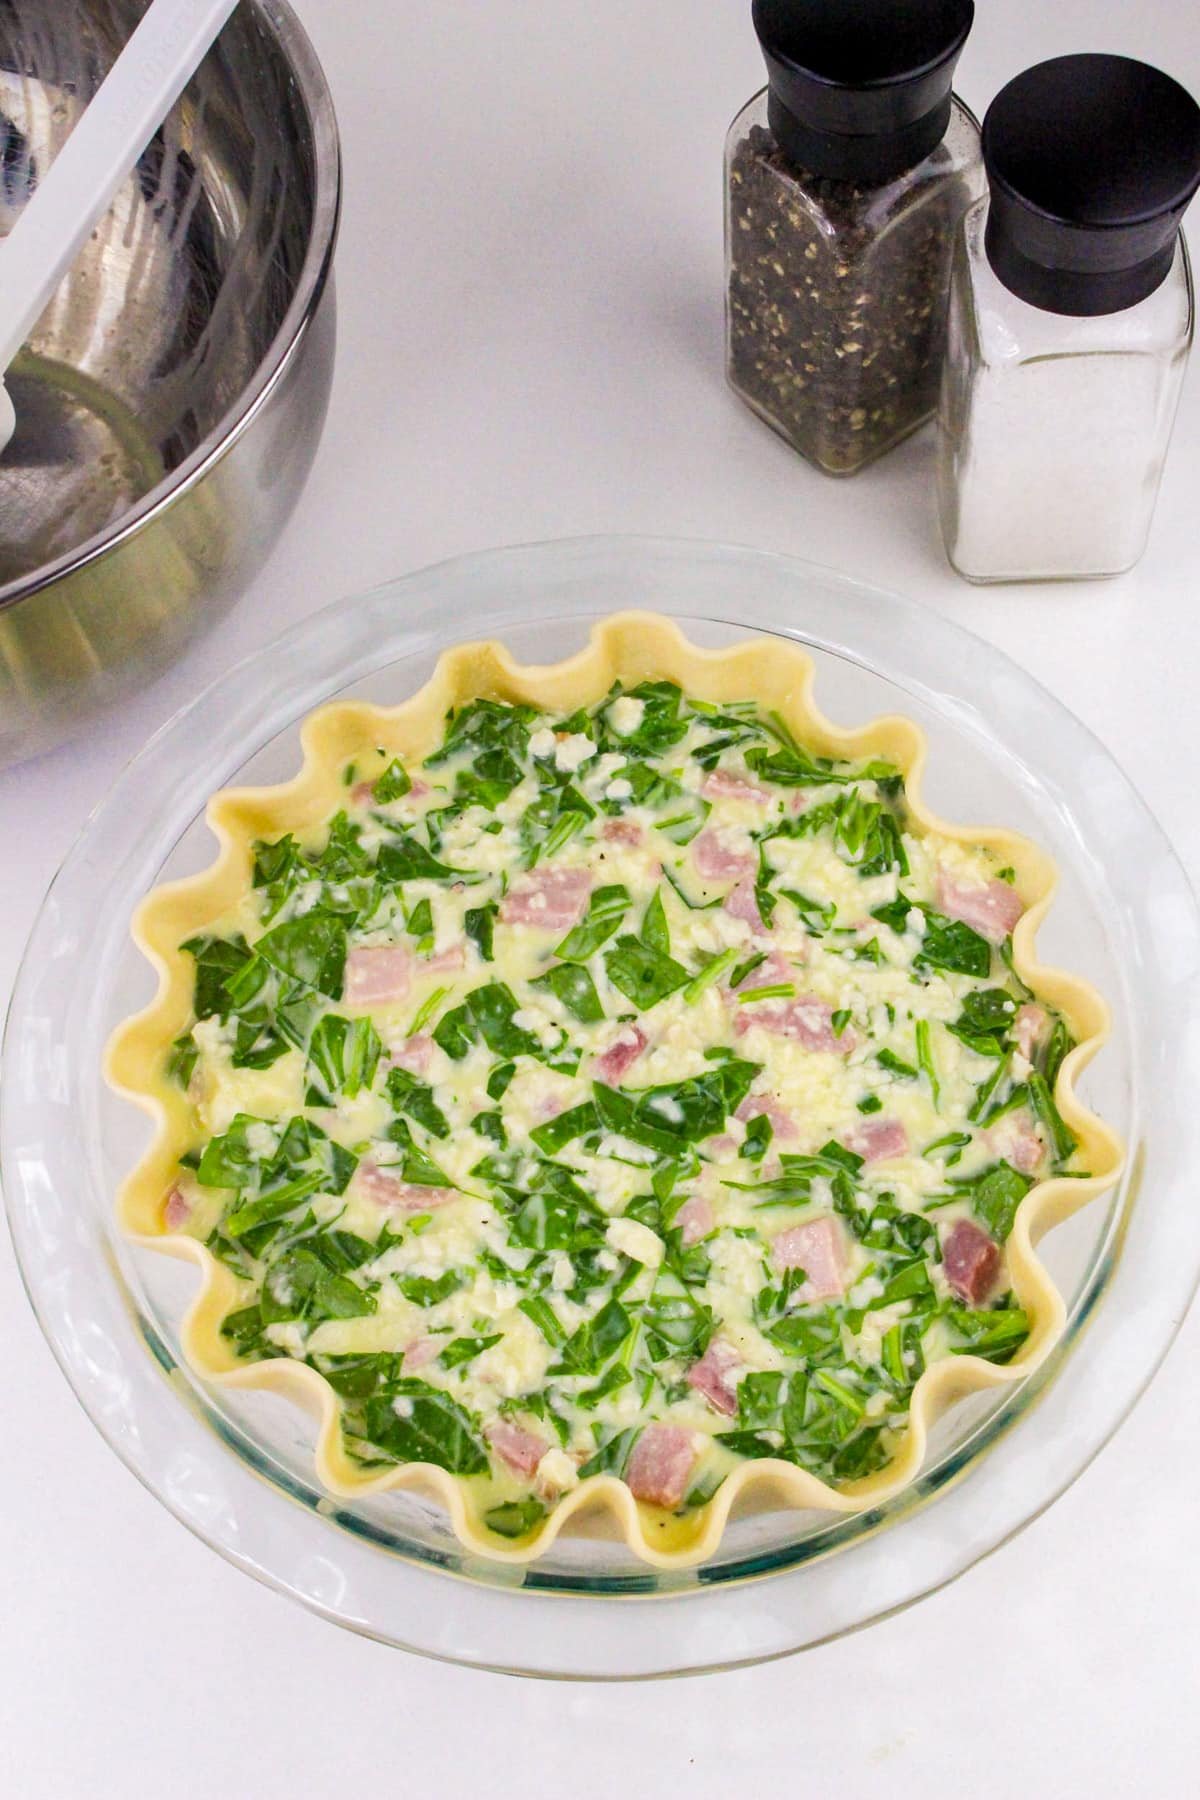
377	975
620	1056
386	1189
757	1106
444	962
660	1466
721	856
521	1450
798	801
722	785
712	1376
553	898
621	831
694	1220
991	909
1026	1151
971	1260
414	1054
1016	1140
177	1210
741	902
547	1104
878	1139
719	1148
808	1020
419	1353
817	1248
1029	1028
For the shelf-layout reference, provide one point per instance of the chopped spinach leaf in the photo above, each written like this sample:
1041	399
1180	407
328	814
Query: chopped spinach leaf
430	1290
405	858
596	1341
612	1454
571	983
655	933
343	1056
950	945
995	1335
432	1428
181	1059
667	1117
816	915
455	1032
1061	1138
410	1095
606	909
539	1309
393	784
643	975
311	949
217	961
465	1349
480	924
556	1133
925	1060
995	1196
515	1518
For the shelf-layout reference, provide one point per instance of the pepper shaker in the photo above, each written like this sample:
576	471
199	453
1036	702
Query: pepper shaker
1071	317
846	180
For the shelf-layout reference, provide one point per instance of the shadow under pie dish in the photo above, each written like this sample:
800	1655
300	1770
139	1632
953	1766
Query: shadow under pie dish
605	1087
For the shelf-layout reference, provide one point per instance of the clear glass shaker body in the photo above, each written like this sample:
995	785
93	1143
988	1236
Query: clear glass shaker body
836	294
1053	429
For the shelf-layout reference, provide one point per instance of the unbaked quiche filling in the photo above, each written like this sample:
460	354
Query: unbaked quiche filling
633	1092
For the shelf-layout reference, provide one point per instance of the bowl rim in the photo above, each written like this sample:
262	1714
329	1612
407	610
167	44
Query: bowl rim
278	18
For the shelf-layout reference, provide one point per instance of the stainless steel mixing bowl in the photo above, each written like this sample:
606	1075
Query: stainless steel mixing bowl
171	399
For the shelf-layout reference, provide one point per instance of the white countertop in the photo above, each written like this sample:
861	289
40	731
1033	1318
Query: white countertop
530	288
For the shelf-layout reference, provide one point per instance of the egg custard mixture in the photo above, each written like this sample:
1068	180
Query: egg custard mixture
605	1082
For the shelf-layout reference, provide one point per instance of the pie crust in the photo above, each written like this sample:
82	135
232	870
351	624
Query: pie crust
630	647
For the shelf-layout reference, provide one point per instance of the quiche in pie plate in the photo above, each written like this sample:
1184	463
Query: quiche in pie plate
606	1087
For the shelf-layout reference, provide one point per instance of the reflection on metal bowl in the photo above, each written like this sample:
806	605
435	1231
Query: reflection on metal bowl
171	399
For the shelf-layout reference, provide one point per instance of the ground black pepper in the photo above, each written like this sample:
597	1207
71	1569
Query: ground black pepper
837	292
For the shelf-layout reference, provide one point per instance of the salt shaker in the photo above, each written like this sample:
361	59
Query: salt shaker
846	180
1071	318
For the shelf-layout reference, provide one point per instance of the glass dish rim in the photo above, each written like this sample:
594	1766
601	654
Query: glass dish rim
961	1457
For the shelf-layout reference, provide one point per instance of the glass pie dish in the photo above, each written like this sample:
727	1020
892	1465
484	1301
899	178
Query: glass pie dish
236	1466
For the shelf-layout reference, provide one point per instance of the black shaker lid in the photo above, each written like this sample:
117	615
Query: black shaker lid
860	89
1092	161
